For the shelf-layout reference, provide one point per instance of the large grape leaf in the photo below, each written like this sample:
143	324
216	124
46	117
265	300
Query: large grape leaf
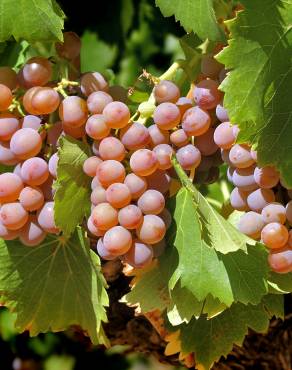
32	20
210	339
282	283
54	285
194	15
257	89
72	197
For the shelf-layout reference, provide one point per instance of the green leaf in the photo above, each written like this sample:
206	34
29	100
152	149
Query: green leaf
192	63
95	54
72	197
210	339
259	59
281	282
54	285
194	15
32	20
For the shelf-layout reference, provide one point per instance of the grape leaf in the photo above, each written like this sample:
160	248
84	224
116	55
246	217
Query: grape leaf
194	15
32	20
259	59
192	63
281	282
210	339
72	197
54	285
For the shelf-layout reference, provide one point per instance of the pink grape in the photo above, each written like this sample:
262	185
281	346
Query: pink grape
158	136
44	100
34	122
184	104
117	240
73	111
8	77
135	136
9	124
31	198
47	189
243	178
46	219
98	195
93	229
70	48
37	71
111	148
225	135
166	217
95	147
104	216
95	182
259	199
189	157
275	235
206	144
238	199
53	163
26	143
163	153
97	101
281	262
166	91
143	162
288	211
139	255
196	121
136	184
225	157
118	195
32	234
209	66
179	138
159	180
130	217
54	133
251	224
151	202
230	173
254	155
274	212
7	157
110	171
240	156
93	81
34	171
152	229
96	127
266	177
76	132
103	252
10	187
7	234
13	216
221	113
166	116
117	114
206	94
90	165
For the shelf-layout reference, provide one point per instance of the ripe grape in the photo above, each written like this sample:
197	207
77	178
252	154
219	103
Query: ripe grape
47	189
110	171
118	195
53	163
26	100
8	77
289	212
266	177
37	71
243	178
96	127
184	104
95	182
135	136
260	198
166	91
225	135
225	157
159	180
143	162
5	97
152	229
103	252
166	217
98	195
209	66
26	143
274	235
10	187
206	94
281	262
251	224
31	121
163	154
130	217
9	124
90	165
70	47
45	217
44	100
93	81
158	136
196	121
117	114
254	155
111	148
97	101
31	198
7	234
206	144
32	234
117	240
221	113
189	157
73	111
54	133
274	212
7	157
240	156
34	171
238	199
151	202
13	215
93	229
104	216
166	116
76	132
179	138
136	184
139	255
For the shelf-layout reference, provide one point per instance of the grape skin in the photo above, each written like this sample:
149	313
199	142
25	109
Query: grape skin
184	104
117	240
238	199
240	156
206	144
37	71
25	143
5	97
196	121
117	114
179	138
139	255
45	217
7	234
159	180
259	199
73	111
110	171
103	252
143	162
104	216
225	135
136	184
266	177
44	100
96	127
157	136
289	212
221	113
281	262
152	230
13	216
97	101
166	91
8	77
111	148
251	224
151	202
7	157
130	217
90	165
93	81
34	171
189	157
53	163
31	198
163	154
10	187
70	47
93	229
32	234
243	178
98	195
118	195
274	235
166	116
274	212
206	94
135	136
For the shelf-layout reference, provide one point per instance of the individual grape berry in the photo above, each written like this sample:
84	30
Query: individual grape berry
31	121
97	101
281	262
54	133
103	252
289	212
9	124
179	138
32	234
53	164
206	144
225	135
7	234
243	178
139	255
95	182
34	171
274	235
45	217
26	143
43	100
221	113
117	240
96	127
166	91
130	217
135	136
31	198
189	157
8	77
163	154
13	216
111	148
166	116
274	212
10	187
166	217
210	67
143	162
98	195
93	81
37	71
238	199
266	177
196	121
136	184
73	111
7	157
251	224
5	97
206	94
110	171
90	165
70	47
259	199
104	216
240	156
118	195
159	180
93	229
27	98
157	136
117	114
76	132
151	202
152	229
184	104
